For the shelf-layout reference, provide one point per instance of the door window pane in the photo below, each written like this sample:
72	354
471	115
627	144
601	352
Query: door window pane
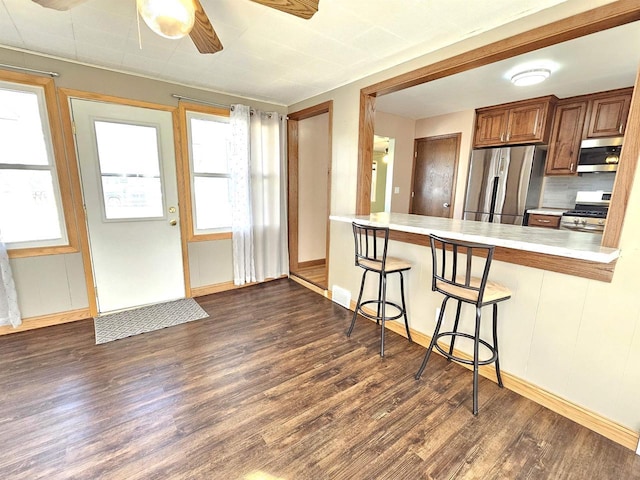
130	170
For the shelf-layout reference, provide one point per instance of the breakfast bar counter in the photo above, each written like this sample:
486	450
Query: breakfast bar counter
559	243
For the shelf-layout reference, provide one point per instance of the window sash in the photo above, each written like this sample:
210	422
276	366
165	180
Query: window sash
63	239
193	175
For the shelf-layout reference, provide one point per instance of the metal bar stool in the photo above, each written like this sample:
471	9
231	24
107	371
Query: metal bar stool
455	280
371	255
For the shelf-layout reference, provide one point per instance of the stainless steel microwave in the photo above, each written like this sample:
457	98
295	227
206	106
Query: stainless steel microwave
600	154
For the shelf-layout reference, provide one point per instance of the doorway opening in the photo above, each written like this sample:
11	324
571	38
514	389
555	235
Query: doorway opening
309	152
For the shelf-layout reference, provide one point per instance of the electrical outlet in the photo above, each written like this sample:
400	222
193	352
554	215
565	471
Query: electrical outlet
396	190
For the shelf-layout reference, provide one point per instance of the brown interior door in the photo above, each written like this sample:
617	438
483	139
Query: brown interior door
434	175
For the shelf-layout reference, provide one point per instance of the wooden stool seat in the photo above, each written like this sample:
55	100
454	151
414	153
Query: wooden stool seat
392	265
493	292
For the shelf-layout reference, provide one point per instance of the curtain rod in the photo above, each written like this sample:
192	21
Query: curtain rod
31	70
213	104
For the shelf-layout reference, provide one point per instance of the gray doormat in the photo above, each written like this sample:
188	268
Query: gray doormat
114	326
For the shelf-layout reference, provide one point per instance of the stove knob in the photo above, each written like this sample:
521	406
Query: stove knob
600	222
576	221
584	223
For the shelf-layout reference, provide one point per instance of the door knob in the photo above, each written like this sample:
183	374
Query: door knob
173	222
445	205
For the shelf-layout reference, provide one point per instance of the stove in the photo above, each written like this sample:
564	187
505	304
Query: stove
589	214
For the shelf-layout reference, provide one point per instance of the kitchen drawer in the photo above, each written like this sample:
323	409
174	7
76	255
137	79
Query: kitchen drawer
544	221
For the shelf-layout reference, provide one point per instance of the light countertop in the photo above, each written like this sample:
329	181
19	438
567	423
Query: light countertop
564	243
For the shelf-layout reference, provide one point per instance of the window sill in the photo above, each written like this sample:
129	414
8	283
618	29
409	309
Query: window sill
40	251
206	237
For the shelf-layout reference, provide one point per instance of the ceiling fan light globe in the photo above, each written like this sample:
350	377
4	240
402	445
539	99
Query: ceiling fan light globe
168	18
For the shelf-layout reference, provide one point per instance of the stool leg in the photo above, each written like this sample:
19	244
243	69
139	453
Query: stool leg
455	329
433	339
355	312
495	343
379	298
404	306
383	313
476	344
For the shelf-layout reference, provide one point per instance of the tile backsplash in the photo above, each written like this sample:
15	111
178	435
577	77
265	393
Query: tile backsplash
560	192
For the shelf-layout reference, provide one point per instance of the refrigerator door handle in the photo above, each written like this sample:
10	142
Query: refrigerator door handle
494	195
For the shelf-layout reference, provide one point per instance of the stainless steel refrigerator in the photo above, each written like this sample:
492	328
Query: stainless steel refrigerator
503	183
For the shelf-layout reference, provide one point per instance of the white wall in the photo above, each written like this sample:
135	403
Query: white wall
49	284
402	130
313	199
459	122
577	338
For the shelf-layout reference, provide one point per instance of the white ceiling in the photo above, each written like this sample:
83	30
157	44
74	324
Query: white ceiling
598	62
268	55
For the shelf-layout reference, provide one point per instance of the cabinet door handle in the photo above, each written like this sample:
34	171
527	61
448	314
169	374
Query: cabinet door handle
508	136
571	167
543	221
621	128
502	137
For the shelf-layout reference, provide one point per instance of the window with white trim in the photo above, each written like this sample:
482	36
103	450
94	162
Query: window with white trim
208	137
31	212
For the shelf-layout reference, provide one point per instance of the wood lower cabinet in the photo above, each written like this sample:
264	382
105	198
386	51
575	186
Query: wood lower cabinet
608	114
544	221
566	135
514	123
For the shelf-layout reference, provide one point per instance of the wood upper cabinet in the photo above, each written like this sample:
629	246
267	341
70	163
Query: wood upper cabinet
608	114
587	116
514	123
491	127
564	147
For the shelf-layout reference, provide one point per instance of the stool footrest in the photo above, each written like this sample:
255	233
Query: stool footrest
375	316
466	361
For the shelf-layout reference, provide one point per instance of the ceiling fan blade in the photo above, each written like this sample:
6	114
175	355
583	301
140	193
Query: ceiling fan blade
59	4
300	8
203	35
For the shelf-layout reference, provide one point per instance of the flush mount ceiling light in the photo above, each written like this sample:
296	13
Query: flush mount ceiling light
530	77
168	18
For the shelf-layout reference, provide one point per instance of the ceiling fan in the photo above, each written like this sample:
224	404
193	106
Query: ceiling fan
202	33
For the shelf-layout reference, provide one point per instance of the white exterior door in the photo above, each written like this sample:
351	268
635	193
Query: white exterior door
128	171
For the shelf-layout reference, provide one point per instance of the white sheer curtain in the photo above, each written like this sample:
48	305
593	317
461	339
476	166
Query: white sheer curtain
258	195
9	311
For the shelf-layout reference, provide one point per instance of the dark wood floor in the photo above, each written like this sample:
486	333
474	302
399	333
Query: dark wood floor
270	388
